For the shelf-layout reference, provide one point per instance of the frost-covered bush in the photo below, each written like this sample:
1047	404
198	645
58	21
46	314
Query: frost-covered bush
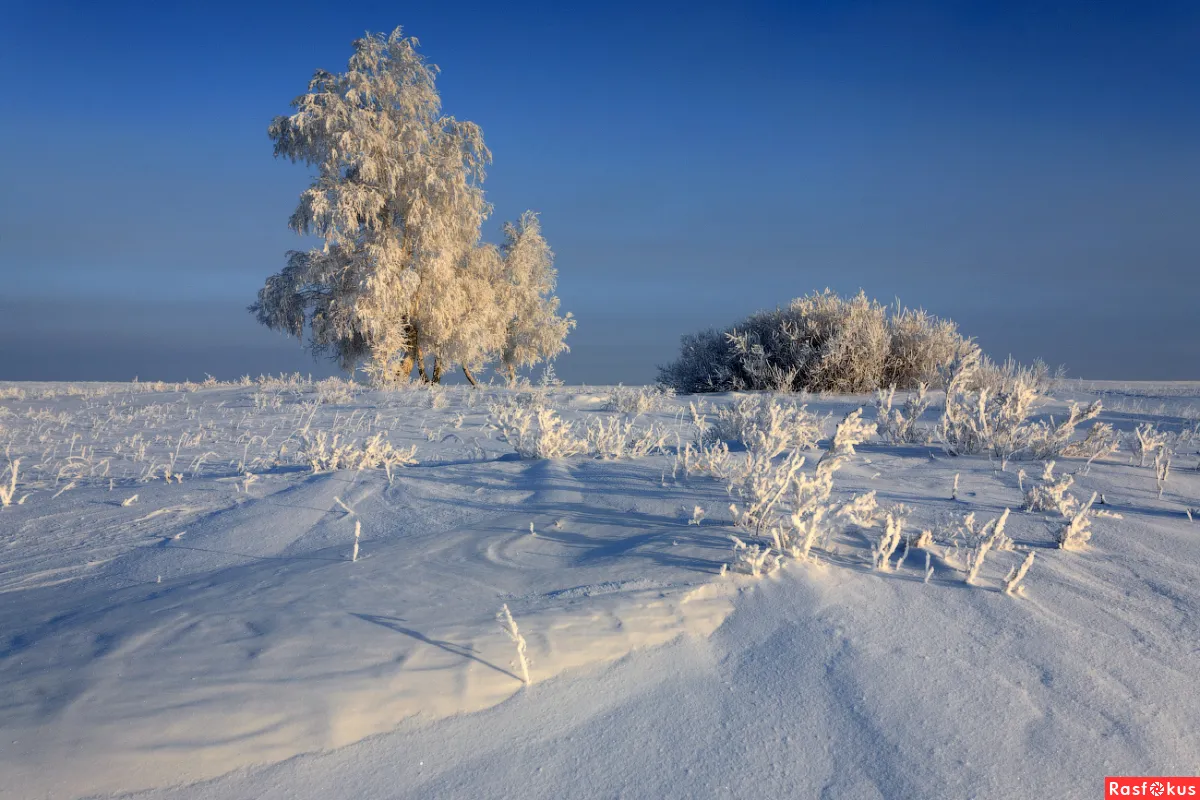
820	342
763	423
921	344
536	432
1076	532
8	492
1048	440
1101	440
1147	440
638	400
1001	378
1051	494
899	425
779	504
336	391
978	421
615	438
325	453
12	393
991	536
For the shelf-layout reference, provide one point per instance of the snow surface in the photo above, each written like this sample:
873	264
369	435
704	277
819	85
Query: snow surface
213	639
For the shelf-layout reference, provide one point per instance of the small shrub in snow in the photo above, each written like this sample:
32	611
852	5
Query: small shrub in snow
11	393
786	506
536	433
638	400
335	391
1012	582
615	438
760	485
754	559
978	421
992	535
325	453
889	540
8	492
1047	440
707	459
1051	494
762	423
862	511
1147	440
1162	469
1077	530
1101	440
899	425
1002	378
851	431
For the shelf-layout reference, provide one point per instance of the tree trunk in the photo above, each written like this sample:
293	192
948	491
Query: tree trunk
421	365
404	373
470	377
437	369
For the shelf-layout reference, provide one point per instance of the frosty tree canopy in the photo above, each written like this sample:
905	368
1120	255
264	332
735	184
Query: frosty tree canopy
398	200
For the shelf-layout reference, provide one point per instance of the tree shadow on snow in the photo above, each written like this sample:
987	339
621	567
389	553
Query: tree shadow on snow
461	650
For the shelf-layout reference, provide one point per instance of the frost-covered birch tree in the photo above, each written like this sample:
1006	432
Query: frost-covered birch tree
398	202
533	330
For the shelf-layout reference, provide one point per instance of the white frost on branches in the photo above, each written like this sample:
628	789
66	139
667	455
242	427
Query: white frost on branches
398	202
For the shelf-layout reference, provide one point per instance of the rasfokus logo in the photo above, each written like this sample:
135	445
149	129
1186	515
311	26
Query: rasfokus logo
1142	786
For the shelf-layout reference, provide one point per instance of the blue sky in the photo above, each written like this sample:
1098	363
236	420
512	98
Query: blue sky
1031	170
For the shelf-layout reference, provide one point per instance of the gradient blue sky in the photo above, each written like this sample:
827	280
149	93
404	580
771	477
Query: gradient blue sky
1031	170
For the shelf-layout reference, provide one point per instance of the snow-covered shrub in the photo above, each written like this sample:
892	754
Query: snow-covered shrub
1047	440
889	540
760	485
978	421
1147	440
12	393
7	492
785	506
325	453
754	559
704	458
899	425
862	511
1077	530
536	432
820	342
991	536
638	400
267	400
851	431
615	438
1012	581
1101	440
920	345
1051	494
1162	469
1001	378
762	423
335	391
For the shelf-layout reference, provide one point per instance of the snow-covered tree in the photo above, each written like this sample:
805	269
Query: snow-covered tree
533	331
398	201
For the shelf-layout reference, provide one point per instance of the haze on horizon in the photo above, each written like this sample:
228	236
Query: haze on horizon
1031	171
